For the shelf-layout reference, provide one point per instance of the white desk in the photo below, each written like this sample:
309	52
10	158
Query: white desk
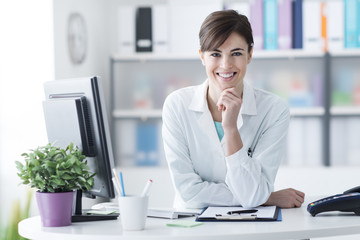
296	224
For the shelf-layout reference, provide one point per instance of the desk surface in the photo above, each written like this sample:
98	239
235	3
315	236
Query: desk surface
296	224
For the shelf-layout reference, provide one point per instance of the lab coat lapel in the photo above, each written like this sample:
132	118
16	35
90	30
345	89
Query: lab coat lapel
249	104
207	124
205	120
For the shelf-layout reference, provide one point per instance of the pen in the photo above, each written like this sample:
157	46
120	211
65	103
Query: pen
242	211
147	187
122	184
117	182
116	186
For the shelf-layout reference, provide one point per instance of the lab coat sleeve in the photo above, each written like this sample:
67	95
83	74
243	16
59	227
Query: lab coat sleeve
251	178
194	192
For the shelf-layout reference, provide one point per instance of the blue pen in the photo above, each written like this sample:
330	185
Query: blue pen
122	184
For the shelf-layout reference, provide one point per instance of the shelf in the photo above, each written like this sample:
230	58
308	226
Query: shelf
137	113
289	54
144	57
258	54
157	113
345	111
307	111
350	52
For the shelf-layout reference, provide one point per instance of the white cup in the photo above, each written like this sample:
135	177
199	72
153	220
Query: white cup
133	212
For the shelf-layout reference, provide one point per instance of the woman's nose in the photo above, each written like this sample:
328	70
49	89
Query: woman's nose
226	62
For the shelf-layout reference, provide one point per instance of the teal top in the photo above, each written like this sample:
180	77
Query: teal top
219	130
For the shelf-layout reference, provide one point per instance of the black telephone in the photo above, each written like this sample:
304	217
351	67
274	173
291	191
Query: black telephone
349	201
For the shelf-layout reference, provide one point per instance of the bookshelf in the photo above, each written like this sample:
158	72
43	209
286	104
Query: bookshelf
308	76
124	68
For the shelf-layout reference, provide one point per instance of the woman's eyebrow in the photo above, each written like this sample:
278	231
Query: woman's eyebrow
237	49
233	50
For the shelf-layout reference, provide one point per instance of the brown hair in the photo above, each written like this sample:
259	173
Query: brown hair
219	25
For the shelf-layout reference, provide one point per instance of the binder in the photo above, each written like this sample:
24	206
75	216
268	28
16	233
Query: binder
126	33
270	24
235	214
312	25
351	24
324	44
189	13
297	33
160	20
335	24
358	23
285	24
257	24
143	29
147	153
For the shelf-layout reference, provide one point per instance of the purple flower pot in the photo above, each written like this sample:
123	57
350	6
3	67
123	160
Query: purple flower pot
55	208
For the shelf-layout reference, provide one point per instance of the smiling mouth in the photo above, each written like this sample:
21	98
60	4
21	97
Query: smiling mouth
226	76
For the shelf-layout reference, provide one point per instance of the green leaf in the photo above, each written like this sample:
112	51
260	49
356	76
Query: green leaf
53	169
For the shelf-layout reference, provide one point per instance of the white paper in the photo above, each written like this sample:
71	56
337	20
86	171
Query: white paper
262	212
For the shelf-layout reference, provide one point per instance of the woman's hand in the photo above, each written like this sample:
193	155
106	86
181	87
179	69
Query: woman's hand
229	104
286	198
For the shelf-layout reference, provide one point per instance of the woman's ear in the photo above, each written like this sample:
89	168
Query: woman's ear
250	55
202	57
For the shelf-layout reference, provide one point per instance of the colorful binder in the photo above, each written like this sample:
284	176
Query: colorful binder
285	24
256	21
270	25
297	33
352	24
147	153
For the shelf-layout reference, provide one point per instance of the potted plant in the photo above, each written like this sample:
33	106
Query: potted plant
56	173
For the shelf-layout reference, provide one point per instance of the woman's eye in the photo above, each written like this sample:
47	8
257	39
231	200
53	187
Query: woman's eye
237	54
215	55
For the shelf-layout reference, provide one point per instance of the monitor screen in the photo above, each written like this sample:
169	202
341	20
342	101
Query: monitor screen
75	111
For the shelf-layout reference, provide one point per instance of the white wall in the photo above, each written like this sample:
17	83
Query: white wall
98	48
26	61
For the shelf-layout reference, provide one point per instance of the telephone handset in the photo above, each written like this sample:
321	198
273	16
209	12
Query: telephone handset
349	201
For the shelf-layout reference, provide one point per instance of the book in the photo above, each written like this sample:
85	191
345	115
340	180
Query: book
257	23
262	213
270	24
297	33
285	24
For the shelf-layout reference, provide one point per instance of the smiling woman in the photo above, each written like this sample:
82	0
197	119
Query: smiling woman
224	139
26	61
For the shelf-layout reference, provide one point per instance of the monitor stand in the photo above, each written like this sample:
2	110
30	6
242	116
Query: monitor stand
81	215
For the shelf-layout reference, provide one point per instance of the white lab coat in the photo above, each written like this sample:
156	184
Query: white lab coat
201	173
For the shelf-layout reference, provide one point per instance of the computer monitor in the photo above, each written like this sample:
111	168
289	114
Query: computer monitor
75	112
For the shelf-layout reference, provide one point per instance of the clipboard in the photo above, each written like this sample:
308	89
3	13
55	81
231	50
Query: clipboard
236	214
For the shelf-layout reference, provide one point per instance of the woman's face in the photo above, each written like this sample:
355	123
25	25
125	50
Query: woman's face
226	66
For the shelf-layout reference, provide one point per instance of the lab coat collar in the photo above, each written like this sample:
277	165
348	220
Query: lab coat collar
199	102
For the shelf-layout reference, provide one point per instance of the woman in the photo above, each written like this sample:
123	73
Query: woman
224	140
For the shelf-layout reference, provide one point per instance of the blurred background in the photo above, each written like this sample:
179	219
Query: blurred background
306	51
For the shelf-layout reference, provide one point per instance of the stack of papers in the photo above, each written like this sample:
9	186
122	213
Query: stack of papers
172	214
